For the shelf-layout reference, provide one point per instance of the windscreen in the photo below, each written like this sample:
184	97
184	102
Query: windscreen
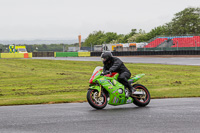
97	69
94	74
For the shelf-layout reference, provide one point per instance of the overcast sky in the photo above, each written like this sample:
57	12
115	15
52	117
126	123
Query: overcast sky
66	19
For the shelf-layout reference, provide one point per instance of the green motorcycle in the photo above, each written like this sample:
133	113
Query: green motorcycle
105	89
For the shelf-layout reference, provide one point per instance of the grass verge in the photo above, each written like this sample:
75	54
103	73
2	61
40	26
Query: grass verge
52	81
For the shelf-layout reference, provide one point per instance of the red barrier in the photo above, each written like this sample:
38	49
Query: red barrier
25	55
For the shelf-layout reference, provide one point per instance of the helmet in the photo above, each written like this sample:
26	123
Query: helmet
106	56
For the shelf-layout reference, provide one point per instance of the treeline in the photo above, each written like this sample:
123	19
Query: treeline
186	22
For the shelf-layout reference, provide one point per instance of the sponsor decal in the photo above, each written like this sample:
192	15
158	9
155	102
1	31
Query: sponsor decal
97	74
102	80
122	101
114	91
110	87
117	100
106	84
114	100
114	82
128	101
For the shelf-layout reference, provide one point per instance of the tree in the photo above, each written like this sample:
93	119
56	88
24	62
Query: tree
110	36
186	22
136	36
99	37
95	38
126	37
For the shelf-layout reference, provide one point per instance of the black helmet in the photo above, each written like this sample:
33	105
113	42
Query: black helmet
106	56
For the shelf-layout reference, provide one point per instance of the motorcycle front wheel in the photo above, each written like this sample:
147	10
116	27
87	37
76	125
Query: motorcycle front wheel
141	100
95	101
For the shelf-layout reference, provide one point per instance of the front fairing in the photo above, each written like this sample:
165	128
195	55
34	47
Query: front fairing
96	74
94	87
115	89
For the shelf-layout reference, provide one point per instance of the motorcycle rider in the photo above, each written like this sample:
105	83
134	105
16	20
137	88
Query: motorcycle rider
114	64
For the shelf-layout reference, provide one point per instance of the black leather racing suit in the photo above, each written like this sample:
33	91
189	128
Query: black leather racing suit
114	64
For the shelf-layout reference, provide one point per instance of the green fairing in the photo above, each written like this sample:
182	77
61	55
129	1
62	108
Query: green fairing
116	76
136	78
113	87
95	87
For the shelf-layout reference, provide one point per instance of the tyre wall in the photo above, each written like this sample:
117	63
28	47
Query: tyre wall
135	53
43	54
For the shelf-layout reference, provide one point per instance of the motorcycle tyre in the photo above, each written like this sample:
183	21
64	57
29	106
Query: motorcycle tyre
92	103
136	101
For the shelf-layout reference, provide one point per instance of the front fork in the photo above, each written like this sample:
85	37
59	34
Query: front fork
98	88
100	91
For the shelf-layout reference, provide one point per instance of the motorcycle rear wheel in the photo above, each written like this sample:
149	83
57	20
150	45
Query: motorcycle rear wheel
143	100
95	101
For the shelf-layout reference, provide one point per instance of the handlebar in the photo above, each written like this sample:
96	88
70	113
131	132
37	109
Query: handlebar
103	74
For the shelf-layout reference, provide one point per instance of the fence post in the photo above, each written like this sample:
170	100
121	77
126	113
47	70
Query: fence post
195	45
177	45
63	47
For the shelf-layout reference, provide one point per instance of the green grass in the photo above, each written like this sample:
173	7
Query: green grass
52	81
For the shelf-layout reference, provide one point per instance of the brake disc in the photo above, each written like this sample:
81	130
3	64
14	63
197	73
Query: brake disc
97	99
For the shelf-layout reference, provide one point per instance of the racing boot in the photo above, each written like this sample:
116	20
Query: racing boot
131	91
127	93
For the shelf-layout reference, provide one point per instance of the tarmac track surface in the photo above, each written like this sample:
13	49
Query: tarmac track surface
195	61
177	115
180	115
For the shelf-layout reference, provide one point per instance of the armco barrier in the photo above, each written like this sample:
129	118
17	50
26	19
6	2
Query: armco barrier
66	54
15	55
83	54
43	54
